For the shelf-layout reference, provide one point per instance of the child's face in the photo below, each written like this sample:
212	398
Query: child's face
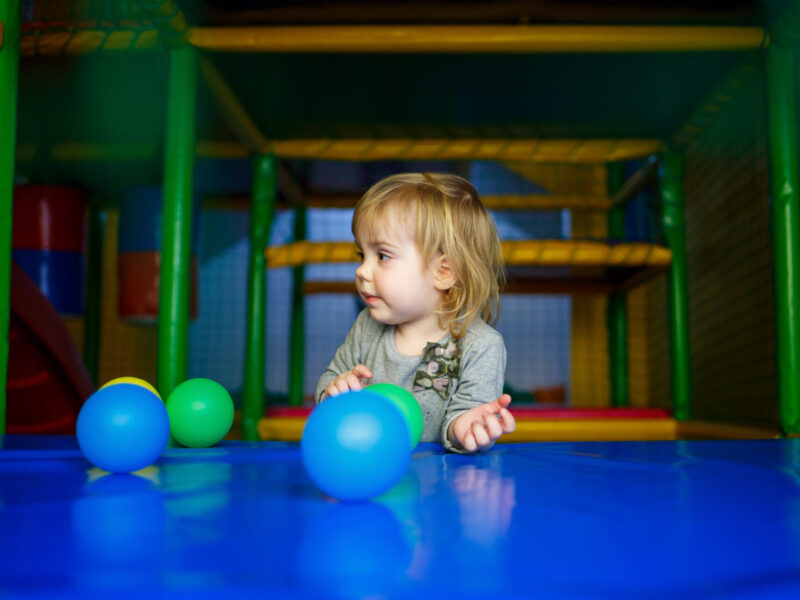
394	280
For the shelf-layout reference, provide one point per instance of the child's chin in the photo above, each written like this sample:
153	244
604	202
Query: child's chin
381	318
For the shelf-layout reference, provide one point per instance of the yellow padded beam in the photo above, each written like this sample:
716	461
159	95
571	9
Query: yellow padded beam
538	150
290	429
535	150
707	430
548	253
584	253
478	38
71	41
392	38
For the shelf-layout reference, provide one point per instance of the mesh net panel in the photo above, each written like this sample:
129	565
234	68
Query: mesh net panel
730	266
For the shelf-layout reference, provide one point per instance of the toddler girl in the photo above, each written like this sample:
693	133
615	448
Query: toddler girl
431	267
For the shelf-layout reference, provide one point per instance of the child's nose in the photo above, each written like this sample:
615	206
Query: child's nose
362	272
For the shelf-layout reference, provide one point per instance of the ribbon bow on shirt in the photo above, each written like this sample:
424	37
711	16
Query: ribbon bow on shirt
440	364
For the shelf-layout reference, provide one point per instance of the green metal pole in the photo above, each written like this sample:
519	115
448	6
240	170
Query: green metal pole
9	74
173	299
297	350
94	278
783	155
616	314
673	218
261	214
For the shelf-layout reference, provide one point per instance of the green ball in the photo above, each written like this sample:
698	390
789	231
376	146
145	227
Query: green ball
200	412
408	405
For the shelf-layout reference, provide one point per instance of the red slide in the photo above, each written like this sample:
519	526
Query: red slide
47	379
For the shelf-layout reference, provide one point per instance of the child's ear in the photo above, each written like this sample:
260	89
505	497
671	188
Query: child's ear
443	276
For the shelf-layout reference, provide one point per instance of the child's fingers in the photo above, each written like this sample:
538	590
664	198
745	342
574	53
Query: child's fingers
507	421
362	371
478	430
341	385
468	443
499	404
353	381
495	406
493	426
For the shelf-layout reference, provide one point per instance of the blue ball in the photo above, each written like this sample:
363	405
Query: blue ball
355	445
123	428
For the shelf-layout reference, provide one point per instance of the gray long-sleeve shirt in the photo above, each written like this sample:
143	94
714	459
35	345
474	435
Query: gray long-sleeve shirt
480	379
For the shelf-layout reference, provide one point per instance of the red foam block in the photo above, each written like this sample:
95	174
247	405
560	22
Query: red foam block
49	217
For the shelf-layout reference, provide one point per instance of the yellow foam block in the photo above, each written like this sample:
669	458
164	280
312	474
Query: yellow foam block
288	429
282	429
563	430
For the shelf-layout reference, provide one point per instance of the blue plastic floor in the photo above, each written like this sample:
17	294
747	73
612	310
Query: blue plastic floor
617	520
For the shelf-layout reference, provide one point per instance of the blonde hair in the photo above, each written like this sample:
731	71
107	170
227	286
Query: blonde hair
450	220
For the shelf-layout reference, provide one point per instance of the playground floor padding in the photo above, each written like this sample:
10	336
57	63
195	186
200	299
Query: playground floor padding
671	519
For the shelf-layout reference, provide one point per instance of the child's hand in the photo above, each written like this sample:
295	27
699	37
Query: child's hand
479	427
352	380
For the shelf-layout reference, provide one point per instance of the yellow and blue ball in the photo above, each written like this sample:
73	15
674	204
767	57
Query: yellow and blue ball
123	428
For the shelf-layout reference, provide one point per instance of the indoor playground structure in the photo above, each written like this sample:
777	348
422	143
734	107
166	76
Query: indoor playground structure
642	330
177	179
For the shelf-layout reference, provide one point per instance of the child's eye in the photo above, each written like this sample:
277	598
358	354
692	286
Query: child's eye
360	255
382	256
